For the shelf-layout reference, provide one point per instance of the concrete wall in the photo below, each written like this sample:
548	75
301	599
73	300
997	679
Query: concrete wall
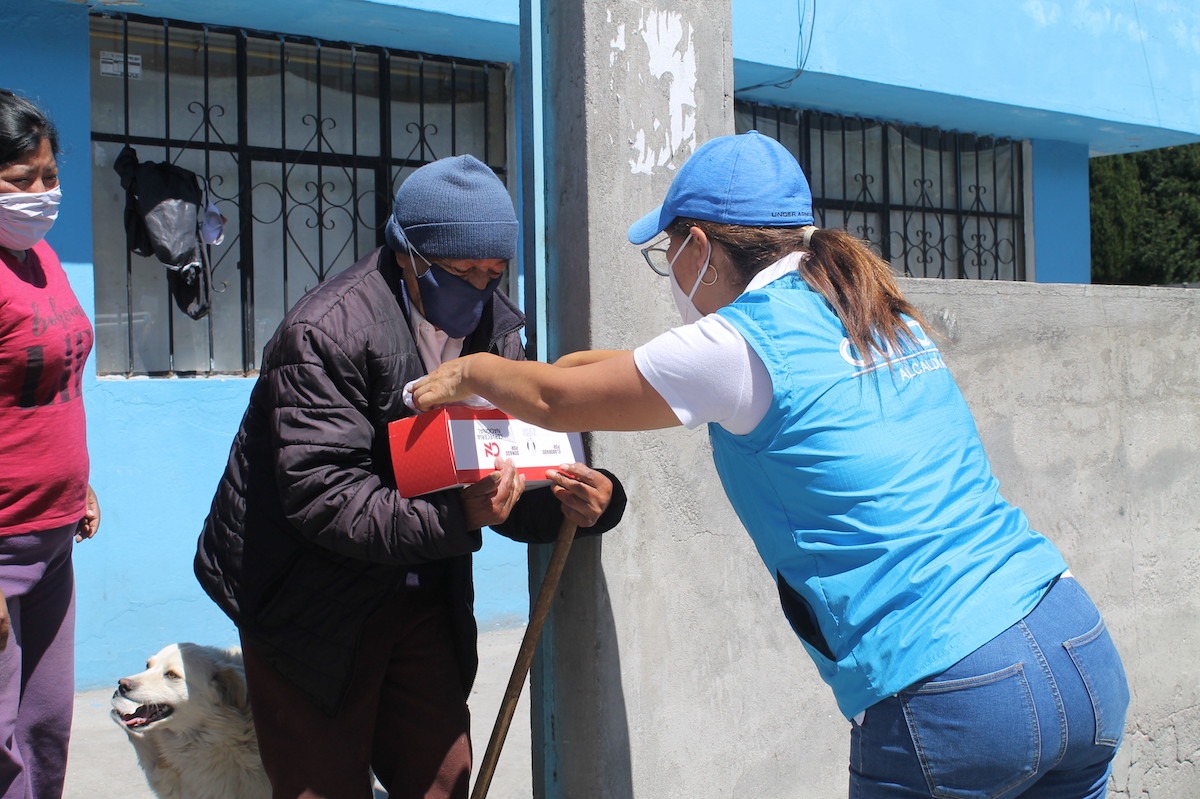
668	670
1088	399
678	676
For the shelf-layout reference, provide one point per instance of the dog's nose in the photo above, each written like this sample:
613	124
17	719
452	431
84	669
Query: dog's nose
124	686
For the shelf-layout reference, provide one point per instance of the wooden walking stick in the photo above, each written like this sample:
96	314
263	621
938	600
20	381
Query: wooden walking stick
537	618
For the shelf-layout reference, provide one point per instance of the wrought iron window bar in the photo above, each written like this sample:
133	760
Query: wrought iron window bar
234	263
978	234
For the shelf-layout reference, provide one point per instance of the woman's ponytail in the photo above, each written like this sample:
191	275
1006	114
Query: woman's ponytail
861	289
858	285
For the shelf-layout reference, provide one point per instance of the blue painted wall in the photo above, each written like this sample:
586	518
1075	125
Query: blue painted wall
1060	204
57	79
1074	84
157	447
1076	80
1115	75
485	30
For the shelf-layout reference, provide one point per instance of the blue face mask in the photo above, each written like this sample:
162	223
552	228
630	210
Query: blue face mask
451	303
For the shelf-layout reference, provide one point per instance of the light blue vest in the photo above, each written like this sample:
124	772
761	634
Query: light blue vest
870	500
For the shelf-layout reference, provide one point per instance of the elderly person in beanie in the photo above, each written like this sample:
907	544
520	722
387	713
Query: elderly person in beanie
354	602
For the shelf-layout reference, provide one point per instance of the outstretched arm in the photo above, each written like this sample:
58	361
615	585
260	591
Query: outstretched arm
607	394
584	357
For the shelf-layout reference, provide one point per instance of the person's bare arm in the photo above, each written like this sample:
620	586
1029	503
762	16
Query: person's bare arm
584	357
608	394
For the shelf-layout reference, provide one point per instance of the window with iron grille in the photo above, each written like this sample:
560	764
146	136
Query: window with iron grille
932	203
299	143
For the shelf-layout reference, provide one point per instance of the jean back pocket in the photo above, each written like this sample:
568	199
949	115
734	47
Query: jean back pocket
977	736
1099	665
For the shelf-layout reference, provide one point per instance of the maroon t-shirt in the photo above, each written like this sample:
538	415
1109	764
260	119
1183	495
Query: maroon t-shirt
45	338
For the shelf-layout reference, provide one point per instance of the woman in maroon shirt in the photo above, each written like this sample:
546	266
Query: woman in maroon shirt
46	503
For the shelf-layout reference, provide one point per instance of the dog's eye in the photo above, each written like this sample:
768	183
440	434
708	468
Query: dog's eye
170	675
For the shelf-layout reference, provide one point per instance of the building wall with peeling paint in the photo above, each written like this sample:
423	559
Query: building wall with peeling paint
671	670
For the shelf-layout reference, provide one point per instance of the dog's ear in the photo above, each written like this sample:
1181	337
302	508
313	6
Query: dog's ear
231	685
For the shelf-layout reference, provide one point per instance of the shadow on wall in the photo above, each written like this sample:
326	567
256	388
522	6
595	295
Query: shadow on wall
618	777
580	742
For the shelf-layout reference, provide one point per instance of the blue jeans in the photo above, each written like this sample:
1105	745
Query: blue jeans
1037	712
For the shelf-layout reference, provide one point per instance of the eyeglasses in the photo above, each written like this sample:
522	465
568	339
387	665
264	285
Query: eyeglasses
658	256
447	268
460	273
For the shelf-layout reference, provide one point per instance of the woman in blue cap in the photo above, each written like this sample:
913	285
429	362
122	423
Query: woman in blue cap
968	660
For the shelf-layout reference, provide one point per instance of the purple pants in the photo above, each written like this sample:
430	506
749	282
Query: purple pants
37	668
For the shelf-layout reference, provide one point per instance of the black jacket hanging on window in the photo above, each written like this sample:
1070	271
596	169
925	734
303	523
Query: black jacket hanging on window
163	203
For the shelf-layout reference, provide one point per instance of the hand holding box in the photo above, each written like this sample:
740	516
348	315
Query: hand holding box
456	446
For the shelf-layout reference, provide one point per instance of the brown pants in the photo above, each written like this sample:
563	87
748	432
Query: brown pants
405	715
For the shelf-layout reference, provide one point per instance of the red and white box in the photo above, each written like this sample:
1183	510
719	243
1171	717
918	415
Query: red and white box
457	446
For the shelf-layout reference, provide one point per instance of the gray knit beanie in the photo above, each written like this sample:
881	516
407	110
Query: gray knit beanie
455	207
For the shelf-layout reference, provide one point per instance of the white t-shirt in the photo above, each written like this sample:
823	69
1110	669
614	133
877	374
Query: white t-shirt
434	344
708	372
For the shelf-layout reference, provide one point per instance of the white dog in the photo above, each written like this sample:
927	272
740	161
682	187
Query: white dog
188	718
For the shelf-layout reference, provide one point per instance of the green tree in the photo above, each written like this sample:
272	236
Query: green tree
1146	217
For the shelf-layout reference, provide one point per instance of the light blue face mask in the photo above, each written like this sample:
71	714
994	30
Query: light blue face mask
449	302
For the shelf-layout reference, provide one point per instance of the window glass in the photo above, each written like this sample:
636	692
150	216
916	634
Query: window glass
298	144
932	203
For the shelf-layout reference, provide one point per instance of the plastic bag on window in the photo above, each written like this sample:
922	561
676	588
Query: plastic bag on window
162	219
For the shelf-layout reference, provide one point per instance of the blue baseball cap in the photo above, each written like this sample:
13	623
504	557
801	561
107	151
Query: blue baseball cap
749	179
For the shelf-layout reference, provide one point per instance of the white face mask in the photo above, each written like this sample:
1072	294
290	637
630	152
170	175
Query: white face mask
683	302
26	217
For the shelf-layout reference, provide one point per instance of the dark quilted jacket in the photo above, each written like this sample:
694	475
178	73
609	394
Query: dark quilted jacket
307	534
